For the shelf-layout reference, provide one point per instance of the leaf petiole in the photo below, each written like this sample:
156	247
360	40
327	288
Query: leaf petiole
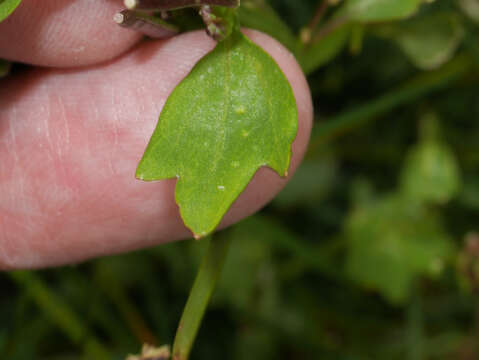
219	22
146	24
159	5
200	296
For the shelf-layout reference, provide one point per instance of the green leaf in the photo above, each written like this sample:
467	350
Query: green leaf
430	41
379	10
470	8
7	7
234	113
469	196
431	173
392	242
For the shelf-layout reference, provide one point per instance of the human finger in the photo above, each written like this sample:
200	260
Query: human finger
64	33
70	142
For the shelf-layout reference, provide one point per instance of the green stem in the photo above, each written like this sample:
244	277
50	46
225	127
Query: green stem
200	296
412	90
307	32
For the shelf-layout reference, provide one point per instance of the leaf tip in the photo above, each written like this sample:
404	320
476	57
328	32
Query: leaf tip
199	236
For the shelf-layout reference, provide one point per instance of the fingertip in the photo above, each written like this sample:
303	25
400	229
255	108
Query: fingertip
72	192
63	33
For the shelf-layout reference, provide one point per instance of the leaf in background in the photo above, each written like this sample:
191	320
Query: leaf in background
256	289
392	242
357	38
234	113
324	50
469	196
379	10
7	7
431	173
260	16
430	41
470	8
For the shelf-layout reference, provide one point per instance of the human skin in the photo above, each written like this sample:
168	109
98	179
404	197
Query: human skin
73	129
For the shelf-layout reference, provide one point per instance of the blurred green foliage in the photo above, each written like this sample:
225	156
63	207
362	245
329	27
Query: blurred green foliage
371	252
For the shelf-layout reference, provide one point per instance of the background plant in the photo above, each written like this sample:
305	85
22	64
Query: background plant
370	252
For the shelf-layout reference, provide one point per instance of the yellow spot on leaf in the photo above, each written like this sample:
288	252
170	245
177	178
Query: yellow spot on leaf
240	110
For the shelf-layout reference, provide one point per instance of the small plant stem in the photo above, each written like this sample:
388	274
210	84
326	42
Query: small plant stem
146	24
214	26
306	32
200	296
329	27
322	8
159	5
